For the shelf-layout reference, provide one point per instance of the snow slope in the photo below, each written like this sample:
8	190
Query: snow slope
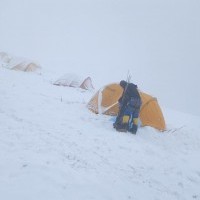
53	147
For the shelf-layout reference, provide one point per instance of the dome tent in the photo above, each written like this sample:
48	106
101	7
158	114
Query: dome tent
73	80
26	66
18	63
105	101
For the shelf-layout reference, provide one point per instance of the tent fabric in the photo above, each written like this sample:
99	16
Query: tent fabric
87	84
26	67
105	101
73	80
17	63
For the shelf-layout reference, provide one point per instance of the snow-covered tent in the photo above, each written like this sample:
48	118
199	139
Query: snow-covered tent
105	101
27	66
17	63
73	80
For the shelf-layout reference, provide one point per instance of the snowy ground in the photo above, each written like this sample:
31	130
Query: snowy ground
53	147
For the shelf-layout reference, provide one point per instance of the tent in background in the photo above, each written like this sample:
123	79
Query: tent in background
17	63
105	101
26	66
73	80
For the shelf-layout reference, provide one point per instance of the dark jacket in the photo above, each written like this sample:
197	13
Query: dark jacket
130	92
129	101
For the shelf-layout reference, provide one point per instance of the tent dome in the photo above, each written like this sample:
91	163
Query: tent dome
73	80
105	101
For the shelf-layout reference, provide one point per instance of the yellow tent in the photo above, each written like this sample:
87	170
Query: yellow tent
105	101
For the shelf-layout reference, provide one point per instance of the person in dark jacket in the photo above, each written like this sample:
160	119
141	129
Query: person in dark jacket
129	108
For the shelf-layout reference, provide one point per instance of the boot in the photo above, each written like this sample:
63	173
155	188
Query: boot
133	130
122	128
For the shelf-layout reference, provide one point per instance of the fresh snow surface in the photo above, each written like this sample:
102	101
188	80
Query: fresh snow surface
53	148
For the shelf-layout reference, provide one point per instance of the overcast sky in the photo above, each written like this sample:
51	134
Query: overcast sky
158	41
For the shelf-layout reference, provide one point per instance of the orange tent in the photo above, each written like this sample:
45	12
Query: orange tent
105	101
